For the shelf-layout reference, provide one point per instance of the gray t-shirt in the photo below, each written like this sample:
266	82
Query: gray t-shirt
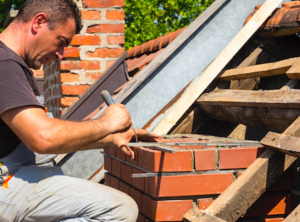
18	88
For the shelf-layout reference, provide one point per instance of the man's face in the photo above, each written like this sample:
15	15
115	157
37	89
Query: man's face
50	44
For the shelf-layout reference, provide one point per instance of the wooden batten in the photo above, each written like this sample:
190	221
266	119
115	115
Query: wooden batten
269	69
271	110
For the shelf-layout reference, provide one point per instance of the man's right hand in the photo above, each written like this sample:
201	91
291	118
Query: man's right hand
116	118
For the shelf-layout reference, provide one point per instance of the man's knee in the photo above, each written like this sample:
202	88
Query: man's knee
128	209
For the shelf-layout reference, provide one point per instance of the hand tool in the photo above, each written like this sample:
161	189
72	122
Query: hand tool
109	100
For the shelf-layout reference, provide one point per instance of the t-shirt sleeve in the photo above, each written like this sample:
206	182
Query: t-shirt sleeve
15	90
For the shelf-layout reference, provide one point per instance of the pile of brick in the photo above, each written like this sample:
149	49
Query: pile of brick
194	175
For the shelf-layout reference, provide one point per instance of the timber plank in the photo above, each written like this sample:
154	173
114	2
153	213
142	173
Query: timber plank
216	67
195	215
294	216
244	191
269	69
286	144
288	99
294	72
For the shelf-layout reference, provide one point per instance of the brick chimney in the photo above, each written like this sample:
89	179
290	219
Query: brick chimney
96	48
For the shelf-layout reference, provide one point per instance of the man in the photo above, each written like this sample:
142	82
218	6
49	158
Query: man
28	137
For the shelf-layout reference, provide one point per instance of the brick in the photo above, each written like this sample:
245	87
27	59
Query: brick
273	204
204	203
71	52
171	210
74	90
204	159
73	65
139	183
86	40
93	75
114	182
124	187
137	196
109	63
126	172
111	151
106	53
189	185
68	77
106	28
67	101
135	161
90	15
272	220
157	161
107	164
115	40
107	179
115	15
120	154
140	218
236	158
116	168
102	3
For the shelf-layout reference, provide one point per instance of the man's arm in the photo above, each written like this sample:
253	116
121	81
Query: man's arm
44	135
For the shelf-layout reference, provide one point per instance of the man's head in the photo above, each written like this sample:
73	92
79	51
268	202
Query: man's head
52	25
57	11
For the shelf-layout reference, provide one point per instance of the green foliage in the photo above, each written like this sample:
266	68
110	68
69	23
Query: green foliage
5	7
148	19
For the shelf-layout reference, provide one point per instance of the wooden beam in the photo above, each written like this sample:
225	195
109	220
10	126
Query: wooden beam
284	99
195	215
259	176
216	67
294	216
269	69
294	72
286	144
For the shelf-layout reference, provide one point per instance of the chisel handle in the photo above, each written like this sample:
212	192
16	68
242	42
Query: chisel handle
107	97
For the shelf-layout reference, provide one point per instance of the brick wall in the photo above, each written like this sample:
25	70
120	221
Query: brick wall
98	45
168	197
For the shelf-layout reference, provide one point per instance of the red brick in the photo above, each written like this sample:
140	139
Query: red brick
284	182
189	185
71	52
107	164
124	187
204	203
103	3
273	204
236	158
74	90
114	182
139	183
204	159
107	179
68	77
106	28
115	40
120	154
137	196
135	161
111	151
126	172
67	101
157	161
171	210
106	53
86	40
109	63
72	65
272	220
116	168
115	15
90	15
94	75
140	218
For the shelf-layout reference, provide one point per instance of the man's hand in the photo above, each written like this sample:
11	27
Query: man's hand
120	140
116	118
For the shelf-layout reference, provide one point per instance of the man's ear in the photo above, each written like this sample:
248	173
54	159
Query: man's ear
38	22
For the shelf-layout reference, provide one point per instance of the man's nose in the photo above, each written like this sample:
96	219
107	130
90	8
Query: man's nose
59	54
